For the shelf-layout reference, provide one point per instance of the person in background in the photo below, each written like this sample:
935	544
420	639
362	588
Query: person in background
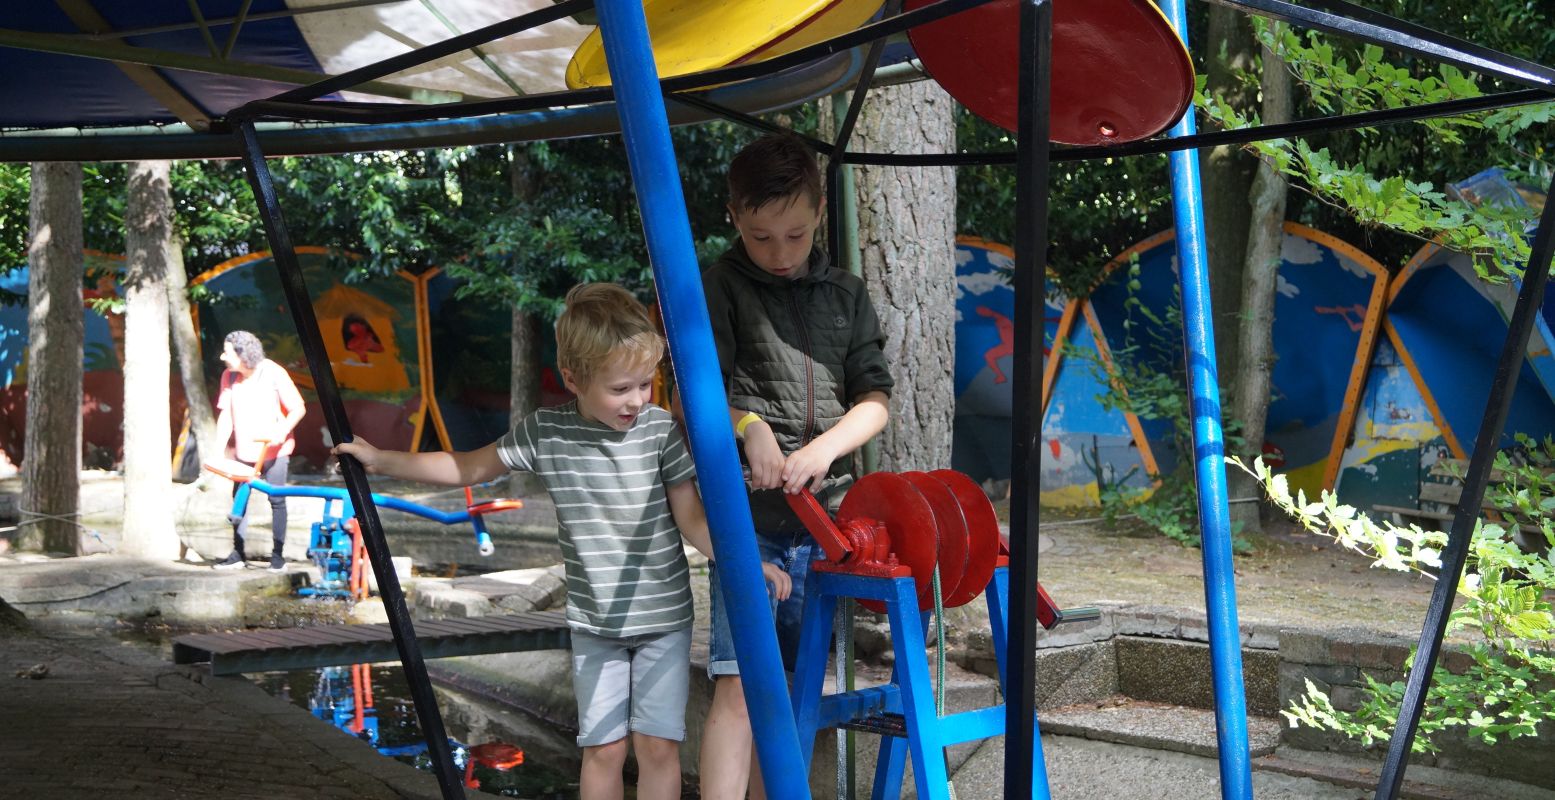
257	412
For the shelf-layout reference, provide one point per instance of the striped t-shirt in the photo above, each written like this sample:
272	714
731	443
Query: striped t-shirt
626	569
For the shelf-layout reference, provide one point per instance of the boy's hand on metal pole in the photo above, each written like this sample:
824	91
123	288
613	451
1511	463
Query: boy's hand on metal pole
359	449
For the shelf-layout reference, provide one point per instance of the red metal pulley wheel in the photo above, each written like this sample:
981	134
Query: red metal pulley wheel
1119	71
952	554
892	500
982	535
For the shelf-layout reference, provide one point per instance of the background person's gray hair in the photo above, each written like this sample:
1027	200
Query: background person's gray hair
247	346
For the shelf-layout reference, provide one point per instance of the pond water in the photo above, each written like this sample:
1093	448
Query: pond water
372	703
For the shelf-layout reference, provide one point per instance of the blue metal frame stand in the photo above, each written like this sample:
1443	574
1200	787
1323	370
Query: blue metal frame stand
910	692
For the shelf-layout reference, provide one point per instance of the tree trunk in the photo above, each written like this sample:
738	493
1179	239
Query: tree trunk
907	228
524	380
1228	176
51	460
524	389
148	474
186	347
1255	344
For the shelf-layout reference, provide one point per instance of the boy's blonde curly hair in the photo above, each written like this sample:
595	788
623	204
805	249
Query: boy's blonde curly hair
604	324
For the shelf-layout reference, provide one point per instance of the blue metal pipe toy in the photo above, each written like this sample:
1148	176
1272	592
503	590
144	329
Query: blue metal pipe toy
1209	451
651	157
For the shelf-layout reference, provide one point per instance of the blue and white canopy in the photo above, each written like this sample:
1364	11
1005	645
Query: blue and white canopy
96	80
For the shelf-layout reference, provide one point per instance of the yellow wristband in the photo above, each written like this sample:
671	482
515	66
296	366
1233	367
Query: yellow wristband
745	422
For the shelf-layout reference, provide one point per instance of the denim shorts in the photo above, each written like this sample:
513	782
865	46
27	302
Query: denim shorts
631	684
792	553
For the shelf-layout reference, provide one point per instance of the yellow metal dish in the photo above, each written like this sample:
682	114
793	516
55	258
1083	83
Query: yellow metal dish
695	35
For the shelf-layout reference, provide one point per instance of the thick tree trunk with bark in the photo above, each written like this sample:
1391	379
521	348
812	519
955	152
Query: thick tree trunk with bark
907	227
148	474
524	388
1255	345
524	379
51	461
1227	173
186	348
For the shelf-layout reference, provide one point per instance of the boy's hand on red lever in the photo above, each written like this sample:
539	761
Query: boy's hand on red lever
807	468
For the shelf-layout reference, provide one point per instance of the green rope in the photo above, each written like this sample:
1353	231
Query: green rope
939	664
939	637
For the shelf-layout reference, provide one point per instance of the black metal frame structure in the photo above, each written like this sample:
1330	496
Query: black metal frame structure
1031	160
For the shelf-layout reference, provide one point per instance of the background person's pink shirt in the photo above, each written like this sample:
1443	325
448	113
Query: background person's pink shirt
258	404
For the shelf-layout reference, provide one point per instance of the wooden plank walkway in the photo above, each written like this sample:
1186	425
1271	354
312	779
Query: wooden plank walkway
338	645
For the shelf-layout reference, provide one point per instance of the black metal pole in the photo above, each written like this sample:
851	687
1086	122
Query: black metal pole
301	305
1021	745
1508	367
1355	22
1285	130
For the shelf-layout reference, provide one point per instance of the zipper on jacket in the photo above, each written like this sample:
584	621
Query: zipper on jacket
809	370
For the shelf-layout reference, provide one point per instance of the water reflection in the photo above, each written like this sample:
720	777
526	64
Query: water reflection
372	703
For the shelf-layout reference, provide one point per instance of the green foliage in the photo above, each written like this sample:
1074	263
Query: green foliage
1343	78
1140	385
1508	689
15	191
1097	209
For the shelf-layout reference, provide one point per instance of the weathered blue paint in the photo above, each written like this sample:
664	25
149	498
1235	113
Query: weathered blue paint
1236	779
910	692
651	156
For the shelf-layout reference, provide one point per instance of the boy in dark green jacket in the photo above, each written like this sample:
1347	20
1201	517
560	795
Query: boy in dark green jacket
804	367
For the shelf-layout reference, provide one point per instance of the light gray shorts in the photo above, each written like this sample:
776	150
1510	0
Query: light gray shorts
632	683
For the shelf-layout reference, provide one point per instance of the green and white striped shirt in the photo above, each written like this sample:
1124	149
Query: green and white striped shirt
626	567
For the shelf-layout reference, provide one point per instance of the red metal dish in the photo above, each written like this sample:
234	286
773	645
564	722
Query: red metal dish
952	555
982	535
1119	72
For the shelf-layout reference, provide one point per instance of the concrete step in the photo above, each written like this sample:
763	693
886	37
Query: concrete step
1159	726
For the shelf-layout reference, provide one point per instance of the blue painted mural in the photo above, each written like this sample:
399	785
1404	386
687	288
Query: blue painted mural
1328	295
102	381
1085	445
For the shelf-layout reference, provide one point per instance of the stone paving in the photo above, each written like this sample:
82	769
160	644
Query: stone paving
112	720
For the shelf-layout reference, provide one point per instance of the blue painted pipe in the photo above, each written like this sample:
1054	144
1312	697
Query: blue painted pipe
1209	450
334	494
645	129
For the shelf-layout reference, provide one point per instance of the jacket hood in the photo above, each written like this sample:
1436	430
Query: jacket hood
820	266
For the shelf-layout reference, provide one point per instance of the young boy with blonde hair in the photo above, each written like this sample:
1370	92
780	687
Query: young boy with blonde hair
617	468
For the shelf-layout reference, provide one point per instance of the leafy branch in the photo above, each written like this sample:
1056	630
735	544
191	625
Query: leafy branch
1508	687
1347	81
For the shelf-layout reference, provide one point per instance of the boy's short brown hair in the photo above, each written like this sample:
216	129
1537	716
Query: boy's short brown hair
777	166
604	323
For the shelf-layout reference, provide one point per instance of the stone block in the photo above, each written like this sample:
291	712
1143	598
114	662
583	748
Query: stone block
446	601
1333	674
1372	651
1157	621
1347	698
1293	684
1305	646
1085	673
